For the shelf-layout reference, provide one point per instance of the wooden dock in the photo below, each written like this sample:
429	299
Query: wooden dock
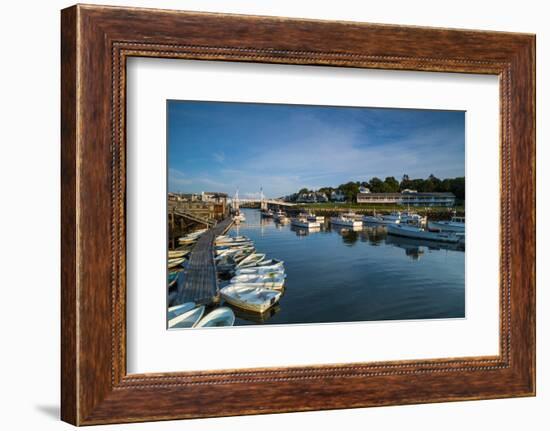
201	282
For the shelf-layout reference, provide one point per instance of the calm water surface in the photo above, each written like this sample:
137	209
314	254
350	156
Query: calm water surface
340	275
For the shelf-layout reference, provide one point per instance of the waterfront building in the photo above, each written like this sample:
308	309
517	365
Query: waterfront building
337	196
408	198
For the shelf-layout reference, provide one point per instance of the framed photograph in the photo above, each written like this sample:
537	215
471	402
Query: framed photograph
267	215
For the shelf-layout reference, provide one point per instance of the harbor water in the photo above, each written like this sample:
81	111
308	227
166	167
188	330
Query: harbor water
343	275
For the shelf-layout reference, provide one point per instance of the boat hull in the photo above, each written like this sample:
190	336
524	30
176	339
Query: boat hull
346	223
421	234
434	225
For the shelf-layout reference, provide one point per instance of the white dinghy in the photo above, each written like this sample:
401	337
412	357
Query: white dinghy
188	319
272	280
251	260
275	268
250	298
172	263
222	316
174	254
176	310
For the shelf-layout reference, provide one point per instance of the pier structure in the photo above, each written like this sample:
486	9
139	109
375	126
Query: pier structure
201	282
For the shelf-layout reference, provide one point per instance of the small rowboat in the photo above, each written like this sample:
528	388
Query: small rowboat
252	260
262	270
222	316
271	280
172	263
270	262
189	319
231	240
250	298
174	254
176	310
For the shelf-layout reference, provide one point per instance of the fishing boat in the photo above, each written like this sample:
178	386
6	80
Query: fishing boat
391	218
172	263
345	221
372	219
315	218
409	217
303	222
189	319
272	280
278	267
251	260
410	231
173	254
250	298
281	217
222	316
456	224
176	310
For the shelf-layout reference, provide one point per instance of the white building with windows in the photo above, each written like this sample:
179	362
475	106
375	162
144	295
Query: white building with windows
408	198
337	196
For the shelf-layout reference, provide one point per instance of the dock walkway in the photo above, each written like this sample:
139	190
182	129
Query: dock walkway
201	282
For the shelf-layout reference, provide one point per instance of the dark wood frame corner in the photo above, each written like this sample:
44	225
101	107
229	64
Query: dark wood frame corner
95	43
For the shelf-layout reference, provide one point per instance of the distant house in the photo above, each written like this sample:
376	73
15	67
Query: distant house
408	198
364	190
337	196
321	197
214	197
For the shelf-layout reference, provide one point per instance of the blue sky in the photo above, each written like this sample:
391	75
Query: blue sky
214	146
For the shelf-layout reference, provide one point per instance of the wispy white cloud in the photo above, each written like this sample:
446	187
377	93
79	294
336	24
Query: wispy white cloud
219	156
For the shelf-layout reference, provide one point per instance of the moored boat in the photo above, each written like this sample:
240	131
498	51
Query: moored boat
272	280
410	231
261	269
315	218
174	254
372	219
251	260
456	224
172	263
391	218
189	319
409	217
345	221
250	298
222	316
304	223
176	310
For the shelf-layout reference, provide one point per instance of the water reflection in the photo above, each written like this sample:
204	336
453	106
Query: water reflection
339	274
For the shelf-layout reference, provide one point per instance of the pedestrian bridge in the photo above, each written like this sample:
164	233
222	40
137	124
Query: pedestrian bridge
265	202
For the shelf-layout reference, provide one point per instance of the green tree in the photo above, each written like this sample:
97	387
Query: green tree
391	185
376	185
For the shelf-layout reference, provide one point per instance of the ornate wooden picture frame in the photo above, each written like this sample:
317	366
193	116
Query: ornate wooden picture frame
96	41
